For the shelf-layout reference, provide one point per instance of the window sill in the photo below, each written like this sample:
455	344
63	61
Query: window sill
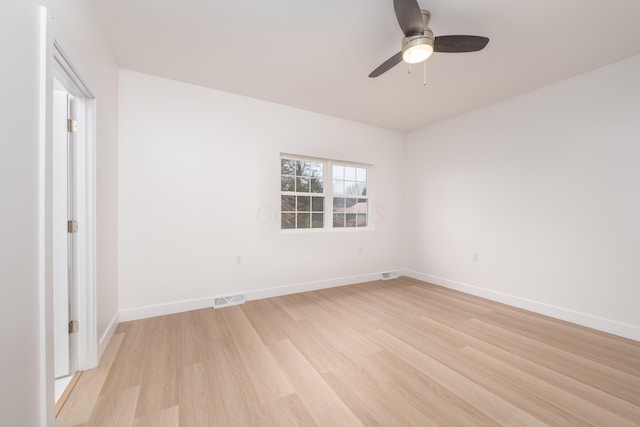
325	230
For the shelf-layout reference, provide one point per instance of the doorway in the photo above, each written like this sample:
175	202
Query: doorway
72	222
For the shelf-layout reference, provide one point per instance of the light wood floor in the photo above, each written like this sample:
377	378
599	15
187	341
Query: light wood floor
394	353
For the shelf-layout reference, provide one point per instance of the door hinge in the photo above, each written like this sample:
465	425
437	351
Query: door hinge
74	325
72	226
72	125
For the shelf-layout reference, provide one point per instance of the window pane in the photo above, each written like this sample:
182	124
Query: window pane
315	169
362	206
303	220
288	221
303	168
288	203
287	167
350	187
317	220
362	189
350	203
350	220
349	173
338	204
287	183
338	186
338	172
302	185
304	203
361	220
361	175
317	204
338	220
317	185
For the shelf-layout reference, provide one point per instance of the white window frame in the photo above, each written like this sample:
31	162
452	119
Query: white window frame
328	194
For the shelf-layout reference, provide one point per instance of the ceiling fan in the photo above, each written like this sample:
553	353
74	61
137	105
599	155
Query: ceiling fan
419	42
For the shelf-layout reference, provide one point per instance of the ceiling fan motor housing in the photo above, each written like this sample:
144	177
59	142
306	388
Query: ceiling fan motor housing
422	42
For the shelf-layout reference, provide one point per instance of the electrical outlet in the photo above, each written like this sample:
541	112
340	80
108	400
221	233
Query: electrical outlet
238	260
475	256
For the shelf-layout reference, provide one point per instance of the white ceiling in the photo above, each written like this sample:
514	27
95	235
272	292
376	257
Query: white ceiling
317	55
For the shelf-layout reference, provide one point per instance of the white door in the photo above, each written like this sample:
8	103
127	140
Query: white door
62	247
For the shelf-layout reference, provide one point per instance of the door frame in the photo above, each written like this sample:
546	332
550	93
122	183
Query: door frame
83	293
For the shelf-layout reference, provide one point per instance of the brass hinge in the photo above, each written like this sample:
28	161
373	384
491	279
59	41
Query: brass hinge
72	125
74	325
72	226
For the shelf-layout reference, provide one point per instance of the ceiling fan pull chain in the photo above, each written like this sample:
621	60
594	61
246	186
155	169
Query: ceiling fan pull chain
409	69
424	75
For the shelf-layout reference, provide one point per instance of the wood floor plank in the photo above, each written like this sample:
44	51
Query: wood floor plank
127	367
320	353
554	379
324	405
548	331
166	418
266	318
571	364
161	368
287	411
265	373
199	406
80	405
495	407
433	400
393	353
115	409
511	388
582	412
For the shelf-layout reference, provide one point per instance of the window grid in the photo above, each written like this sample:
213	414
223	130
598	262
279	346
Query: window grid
302	194
323	194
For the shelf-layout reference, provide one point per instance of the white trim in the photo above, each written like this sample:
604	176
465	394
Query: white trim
45	272
310	286
606	325
155	310
108	334
66	74
201	303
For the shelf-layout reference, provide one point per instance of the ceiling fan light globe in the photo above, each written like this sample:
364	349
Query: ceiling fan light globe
417	48
416	54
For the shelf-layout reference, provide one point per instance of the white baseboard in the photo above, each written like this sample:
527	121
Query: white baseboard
606	325
200	303
164	309
311	286
106	336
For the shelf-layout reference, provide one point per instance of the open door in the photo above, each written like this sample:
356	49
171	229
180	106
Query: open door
63	247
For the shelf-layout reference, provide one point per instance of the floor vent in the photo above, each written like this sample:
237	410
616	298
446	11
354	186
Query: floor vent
219	302
390	275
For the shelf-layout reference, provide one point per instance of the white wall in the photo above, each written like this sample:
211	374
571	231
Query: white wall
76	26
199	186
545	188
19	295
26	398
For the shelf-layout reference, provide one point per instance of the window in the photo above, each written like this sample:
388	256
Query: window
350	203
302	201
323	194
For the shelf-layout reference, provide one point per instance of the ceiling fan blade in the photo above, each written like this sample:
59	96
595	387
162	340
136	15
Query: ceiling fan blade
409	17
387	65
459	44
